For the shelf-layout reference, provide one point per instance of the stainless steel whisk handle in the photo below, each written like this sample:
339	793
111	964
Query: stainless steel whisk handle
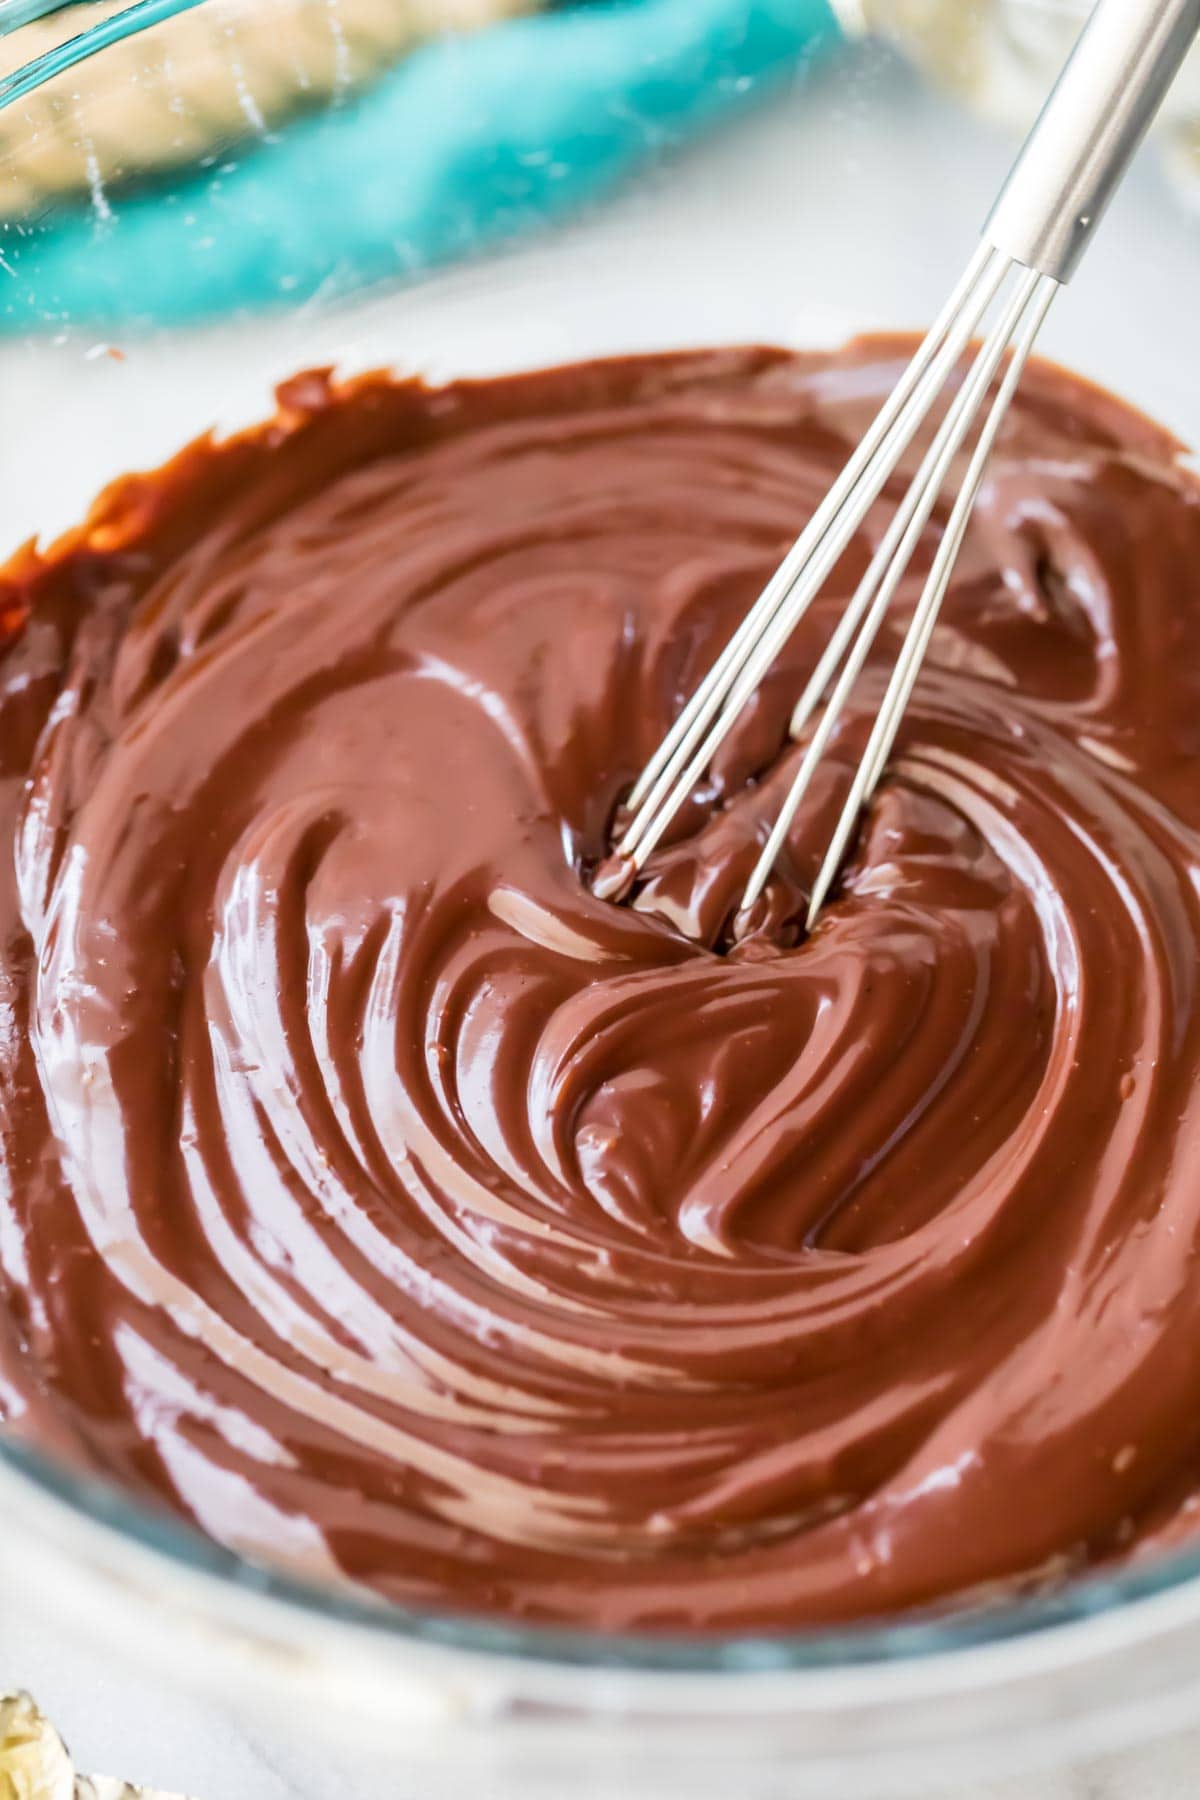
1065	176
1072	163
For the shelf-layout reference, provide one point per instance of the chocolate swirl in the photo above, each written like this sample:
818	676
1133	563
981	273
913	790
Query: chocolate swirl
395	1207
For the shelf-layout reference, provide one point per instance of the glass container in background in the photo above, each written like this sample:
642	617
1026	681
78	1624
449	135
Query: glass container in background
1002	55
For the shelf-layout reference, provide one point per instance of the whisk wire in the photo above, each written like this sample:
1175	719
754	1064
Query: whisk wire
713	710
672	771
867	609
1110	89
938	580
870	443
920	631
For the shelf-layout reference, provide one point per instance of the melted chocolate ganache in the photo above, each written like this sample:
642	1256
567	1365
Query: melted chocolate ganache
394	1207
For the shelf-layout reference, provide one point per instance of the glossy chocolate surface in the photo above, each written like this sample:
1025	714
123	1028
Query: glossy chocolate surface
394	1207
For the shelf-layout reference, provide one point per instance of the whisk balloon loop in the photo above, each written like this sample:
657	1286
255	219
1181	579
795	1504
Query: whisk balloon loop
1046	214
674	768
877	589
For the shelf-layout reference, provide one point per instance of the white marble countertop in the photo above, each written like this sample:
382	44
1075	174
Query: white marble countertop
762	231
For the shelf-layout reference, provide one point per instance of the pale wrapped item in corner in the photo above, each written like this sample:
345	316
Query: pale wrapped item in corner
34	1764
1003	56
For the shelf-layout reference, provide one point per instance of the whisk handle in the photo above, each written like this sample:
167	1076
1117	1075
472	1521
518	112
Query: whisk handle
1074	158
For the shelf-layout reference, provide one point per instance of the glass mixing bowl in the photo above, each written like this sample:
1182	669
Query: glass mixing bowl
172	244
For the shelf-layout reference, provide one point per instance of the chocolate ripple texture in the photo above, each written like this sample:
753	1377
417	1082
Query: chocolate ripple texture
399	1211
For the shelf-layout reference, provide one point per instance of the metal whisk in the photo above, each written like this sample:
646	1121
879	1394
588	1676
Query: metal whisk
1072	163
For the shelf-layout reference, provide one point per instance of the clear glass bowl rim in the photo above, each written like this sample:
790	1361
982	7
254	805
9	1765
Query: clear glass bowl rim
975	1623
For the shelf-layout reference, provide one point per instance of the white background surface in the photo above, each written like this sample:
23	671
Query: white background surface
766	231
